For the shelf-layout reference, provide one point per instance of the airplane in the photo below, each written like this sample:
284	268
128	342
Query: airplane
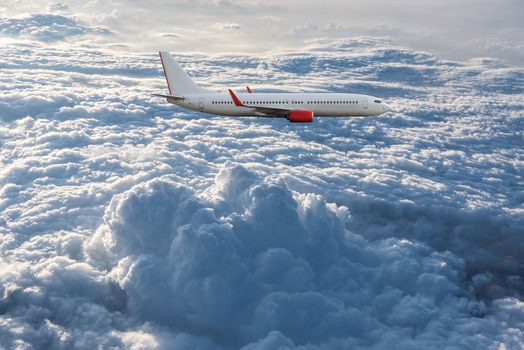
295	107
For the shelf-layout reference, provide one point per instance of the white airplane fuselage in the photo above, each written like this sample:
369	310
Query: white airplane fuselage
296	107
322	104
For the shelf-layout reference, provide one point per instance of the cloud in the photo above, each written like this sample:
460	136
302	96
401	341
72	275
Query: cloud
228	26
278	262
58	7
170	36
459	30
126	221
47	27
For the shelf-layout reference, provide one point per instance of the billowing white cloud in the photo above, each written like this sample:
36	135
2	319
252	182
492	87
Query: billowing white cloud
46	27
127	222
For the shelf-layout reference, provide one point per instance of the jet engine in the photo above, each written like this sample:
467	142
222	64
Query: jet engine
300	116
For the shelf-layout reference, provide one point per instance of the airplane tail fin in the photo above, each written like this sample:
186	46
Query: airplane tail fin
178	82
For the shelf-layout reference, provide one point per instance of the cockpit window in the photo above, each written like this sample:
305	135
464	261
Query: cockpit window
378	101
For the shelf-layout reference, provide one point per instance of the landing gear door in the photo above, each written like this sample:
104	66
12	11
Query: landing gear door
201	103
365	103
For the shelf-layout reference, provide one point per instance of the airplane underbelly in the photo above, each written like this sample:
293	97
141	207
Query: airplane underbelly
337	112
327	111
230	111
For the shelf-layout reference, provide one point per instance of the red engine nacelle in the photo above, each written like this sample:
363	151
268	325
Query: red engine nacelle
300	117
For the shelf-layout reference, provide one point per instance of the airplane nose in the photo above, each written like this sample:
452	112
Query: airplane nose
386	107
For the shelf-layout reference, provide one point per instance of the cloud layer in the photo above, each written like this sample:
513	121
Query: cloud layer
457	30
129	223
46	27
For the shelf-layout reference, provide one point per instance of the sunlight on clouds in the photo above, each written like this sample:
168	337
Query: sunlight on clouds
458	30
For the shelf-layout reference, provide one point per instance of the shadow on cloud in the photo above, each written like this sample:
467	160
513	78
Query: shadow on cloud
249	262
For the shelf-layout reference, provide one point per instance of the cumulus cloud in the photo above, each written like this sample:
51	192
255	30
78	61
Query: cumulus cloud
279	262
47	27
129	223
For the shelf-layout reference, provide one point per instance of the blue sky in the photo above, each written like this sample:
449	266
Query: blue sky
126	222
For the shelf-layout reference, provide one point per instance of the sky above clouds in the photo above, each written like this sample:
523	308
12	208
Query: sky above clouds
126	222
457	30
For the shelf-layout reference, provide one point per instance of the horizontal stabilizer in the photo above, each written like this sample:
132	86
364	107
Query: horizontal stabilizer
174	97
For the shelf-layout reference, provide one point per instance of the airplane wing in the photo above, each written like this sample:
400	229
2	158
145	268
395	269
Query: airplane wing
174	97
269	111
